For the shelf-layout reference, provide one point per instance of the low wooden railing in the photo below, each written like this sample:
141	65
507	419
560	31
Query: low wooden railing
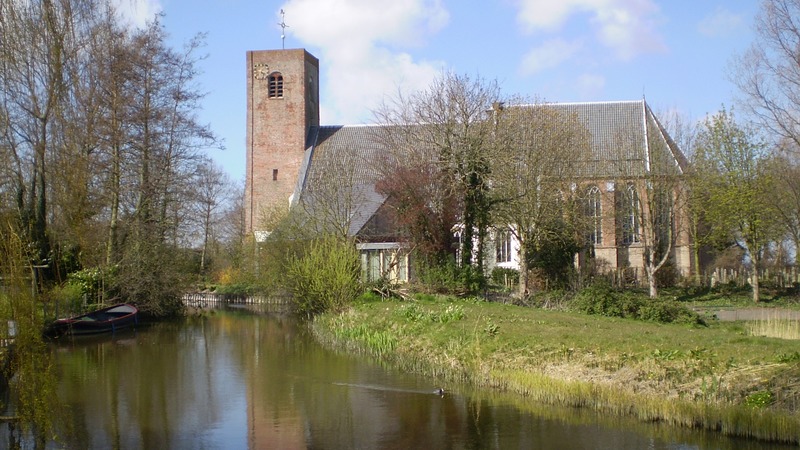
200	299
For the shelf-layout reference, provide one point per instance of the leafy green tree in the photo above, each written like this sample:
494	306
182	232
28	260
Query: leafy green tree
731	158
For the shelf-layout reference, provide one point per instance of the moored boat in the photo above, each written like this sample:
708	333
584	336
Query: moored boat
103	320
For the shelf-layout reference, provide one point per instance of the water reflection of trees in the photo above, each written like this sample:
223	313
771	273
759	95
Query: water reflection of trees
263	383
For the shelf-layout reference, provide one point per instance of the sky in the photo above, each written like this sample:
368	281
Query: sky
677	54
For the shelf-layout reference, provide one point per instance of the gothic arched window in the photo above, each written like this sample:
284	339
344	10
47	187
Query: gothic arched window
502	243
594	212
630	216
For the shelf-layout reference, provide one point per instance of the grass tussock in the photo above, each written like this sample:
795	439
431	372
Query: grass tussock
716	376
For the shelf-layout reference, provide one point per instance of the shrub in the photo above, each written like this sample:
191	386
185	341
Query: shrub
369	297
68	296
667	311
598	299
237	289
92	283
324	276
450	279
602	300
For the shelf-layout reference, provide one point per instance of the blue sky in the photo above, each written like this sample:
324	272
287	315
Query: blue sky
676	53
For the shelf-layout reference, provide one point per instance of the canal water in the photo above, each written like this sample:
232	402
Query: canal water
238	379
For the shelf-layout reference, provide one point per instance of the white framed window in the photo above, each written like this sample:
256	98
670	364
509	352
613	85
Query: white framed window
502	244
383	261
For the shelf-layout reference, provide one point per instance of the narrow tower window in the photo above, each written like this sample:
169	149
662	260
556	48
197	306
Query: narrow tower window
274	174
276	85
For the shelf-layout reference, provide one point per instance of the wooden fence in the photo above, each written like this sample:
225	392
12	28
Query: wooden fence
203	299
778	278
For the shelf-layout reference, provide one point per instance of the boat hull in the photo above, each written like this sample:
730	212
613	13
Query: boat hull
106	320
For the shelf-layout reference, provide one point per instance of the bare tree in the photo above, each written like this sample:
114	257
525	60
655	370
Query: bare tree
37	44
684	132
651	201
451	121
768	74
335	191
534	170
784	168
213	189
162	152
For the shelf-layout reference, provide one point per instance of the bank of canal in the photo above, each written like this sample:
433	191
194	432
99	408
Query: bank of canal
233	379
714	377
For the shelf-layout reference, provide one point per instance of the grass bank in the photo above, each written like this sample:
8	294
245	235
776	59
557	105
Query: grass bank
718	377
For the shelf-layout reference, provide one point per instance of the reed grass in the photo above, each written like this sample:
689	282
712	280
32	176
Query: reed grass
775	327
712	377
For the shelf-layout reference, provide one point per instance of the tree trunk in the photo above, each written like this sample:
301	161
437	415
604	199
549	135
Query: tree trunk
206	233
112	255
755	281
523	272
651	281
696	259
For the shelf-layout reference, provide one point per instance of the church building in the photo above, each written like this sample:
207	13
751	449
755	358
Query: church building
291	156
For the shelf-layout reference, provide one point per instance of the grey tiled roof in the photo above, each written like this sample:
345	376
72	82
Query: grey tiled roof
350	151
626	140
343	161
617	139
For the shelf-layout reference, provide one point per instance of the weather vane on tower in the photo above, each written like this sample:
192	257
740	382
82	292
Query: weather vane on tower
283	29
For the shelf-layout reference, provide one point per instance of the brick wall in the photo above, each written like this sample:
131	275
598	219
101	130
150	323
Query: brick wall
277	128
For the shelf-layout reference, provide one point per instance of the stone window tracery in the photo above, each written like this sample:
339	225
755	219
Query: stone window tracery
594	211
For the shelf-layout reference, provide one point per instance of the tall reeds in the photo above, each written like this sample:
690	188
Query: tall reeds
775	326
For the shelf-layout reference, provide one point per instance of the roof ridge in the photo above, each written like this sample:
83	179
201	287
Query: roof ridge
602	102
358	125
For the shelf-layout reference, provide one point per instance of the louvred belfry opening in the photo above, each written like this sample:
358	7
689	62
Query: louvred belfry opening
276	85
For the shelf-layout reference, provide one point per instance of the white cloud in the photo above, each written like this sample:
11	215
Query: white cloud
590	86
358	86
361	42
720	23
550	54
137	13
628	27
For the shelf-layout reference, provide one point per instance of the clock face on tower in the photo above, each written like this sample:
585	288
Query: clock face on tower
260	71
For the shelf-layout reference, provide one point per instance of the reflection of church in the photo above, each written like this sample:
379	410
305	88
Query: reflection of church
290	157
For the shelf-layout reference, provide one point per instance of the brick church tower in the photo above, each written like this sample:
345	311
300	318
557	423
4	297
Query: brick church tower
282	108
